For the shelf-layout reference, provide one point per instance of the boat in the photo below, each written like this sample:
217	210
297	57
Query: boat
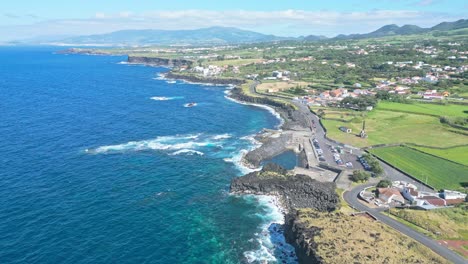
190	105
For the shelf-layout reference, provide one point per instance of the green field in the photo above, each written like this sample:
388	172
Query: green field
386	127
422	108
438	173
458	154
237	62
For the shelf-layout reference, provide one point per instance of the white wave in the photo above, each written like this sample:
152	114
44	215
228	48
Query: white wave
182	143
188	152
272	246
164	98
171	82
222	136
123	62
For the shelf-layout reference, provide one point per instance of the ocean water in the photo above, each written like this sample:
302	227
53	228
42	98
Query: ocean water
102	163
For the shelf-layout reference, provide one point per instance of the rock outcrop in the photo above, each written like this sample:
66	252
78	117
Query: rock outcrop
154	61
300	236
295	191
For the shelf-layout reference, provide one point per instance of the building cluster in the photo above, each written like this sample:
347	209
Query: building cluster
279	75
406	194
210	70
333	97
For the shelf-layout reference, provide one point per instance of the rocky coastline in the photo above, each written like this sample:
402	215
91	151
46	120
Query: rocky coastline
155	61
294	192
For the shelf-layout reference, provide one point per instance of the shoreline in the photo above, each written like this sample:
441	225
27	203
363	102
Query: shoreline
273	201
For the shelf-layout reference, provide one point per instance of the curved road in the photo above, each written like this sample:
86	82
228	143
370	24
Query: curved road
351	197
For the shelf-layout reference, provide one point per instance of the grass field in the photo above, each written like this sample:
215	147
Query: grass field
437	172
448	223
422	108
458	154
384	127
341	238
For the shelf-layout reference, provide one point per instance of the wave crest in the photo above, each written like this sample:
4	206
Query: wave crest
181	144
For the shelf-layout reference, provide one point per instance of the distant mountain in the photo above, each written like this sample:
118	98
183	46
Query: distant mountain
388	30
224	35
212	35
394	30
462	23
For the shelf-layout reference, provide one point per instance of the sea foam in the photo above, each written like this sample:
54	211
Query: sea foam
272	246
164	98
181	144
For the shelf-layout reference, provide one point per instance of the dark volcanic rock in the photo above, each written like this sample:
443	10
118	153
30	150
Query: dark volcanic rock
270	148
159	61
298	235
297	191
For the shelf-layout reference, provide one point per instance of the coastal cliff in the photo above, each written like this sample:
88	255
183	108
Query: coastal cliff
301	237
154	61
294	191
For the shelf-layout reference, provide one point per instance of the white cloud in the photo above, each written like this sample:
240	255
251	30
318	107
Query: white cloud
285	22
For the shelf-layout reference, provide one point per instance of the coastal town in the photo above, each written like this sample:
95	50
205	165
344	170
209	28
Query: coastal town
382	119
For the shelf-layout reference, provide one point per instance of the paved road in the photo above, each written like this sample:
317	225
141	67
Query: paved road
351	197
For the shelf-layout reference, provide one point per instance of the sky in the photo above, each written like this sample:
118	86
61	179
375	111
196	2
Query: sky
23	19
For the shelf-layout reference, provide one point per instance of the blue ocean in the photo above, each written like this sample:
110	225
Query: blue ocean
103	162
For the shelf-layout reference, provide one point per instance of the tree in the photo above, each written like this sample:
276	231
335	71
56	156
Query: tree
320	113
374	164
360	176
382	95
384	183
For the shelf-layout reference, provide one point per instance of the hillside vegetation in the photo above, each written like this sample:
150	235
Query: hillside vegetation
347	239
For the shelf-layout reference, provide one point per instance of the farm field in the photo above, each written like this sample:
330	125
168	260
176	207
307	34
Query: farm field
458	154
387	127
437	172
422	108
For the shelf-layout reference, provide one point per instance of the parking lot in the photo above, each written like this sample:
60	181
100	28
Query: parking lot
336	155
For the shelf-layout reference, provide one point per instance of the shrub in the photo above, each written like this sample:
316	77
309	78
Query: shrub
360	176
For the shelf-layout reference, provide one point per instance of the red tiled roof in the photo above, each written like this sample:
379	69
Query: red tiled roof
434	200
454	201
413	192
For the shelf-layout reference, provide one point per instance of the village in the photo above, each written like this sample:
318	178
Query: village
420	80
406	195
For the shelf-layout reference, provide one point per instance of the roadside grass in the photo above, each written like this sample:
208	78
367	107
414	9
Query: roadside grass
341	238
457	154
436	172
415	227
344	206
426	108
447	223
387	127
